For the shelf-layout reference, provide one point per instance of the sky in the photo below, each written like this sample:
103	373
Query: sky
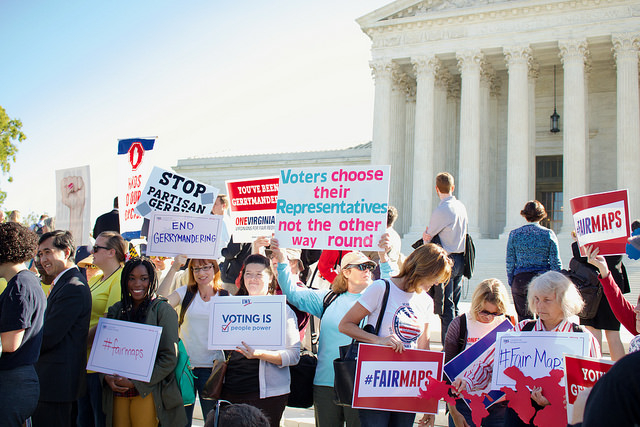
206	77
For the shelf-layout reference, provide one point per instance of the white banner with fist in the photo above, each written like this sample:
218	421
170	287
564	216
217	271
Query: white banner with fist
73	203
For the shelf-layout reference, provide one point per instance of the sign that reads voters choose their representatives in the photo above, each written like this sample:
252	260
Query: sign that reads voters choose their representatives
602	220
388	380
174	233
253	207
167	191
125	348
535	354
581	373
259	321
134	166
333	207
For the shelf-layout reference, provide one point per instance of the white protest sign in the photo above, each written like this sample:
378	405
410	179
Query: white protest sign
73	203
168	191
134	165
174	233
259	321
253	207
332	207
125	348
534	353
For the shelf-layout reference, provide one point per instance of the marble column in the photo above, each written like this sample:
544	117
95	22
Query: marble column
534	72
380	147
397	142
517	59
494	200
425	68
468	183
573	54
409	155
625	48
442	127
452	148
486	78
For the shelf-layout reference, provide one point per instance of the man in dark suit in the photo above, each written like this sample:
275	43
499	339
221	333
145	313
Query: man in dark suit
63	356
109	221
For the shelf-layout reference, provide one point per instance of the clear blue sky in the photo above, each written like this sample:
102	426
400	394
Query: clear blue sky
205	76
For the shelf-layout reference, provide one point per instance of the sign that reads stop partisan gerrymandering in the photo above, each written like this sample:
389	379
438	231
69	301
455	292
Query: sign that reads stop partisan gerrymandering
332	207
253	207
602	220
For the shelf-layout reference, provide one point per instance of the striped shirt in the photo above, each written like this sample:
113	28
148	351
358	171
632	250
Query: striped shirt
479	376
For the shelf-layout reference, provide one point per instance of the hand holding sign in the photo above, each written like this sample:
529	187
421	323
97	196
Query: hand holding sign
596	260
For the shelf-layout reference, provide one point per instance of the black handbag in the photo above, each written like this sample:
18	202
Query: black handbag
344	367
302	375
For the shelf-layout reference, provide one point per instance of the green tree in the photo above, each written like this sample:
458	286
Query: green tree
10	133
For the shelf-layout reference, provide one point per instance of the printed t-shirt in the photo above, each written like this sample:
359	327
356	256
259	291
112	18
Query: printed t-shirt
476	330
194	332
405	315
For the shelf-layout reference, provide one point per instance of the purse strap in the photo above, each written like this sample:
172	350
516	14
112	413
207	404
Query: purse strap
385	298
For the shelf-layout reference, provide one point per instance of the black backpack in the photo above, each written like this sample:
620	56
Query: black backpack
585	278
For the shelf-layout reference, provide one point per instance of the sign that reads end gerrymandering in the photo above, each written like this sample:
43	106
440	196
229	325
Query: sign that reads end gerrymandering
125	348
172	233
167	191
332	207
253	207
259	321
602	220
392	381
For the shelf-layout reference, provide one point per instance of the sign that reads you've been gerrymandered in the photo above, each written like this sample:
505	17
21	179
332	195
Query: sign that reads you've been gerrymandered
172	234
167	191
332	207
253	207
259	321
125	348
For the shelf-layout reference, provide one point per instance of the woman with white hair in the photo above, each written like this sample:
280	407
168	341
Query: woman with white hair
553	298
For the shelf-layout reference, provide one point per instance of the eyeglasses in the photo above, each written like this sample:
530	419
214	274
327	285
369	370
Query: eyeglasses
361	267
96	248
216	414
203	268
488	313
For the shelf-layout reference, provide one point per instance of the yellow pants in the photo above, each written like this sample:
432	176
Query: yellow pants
134	412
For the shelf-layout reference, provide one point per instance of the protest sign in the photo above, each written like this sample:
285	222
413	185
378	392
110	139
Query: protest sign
259	321
73	203
134	166
581	373
535	354
387	380
168	191
174	233
602	220
464	361
332	207
253	207
125	348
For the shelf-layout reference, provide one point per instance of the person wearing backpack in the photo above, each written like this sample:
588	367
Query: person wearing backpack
353	277
196	303
553	298
488	309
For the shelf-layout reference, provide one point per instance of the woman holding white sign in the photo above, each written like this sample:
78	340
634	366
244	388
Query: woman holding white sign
354	276
405	320
553	298
196	305
136	403
261	377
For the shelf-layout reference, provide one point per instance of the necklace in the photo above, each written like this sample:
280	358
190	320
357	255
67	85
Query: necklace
100	282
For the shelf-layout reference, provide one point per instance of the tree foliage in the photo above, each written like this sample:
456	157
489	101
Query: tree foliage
10	134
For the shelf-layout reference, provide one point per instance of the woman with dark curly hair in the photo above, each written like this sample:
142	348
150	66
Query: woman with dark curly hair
22	306
531	250
159	400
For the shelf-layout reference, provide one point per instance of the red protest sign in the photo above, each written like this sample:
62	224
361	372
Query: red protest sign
253	194
602	220
392	381
580	373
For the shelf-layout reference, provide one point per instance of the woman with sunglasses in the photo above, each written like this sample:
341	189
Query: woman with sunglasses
405	320
196	303
109	253
488	308
353	277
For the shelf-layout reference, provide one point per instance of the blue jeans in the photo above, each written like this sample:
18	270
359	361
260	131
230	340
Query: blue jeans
451	294
494	419
202	375
90	405
376	418
22	385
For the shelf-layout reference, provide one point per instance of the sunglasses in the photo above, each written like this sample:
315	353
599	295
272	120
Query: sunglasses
489	313
216	414
96	248
361	267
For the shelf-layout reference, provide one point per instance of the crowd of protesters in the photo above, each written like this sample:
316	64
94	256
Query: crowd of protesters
52	296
